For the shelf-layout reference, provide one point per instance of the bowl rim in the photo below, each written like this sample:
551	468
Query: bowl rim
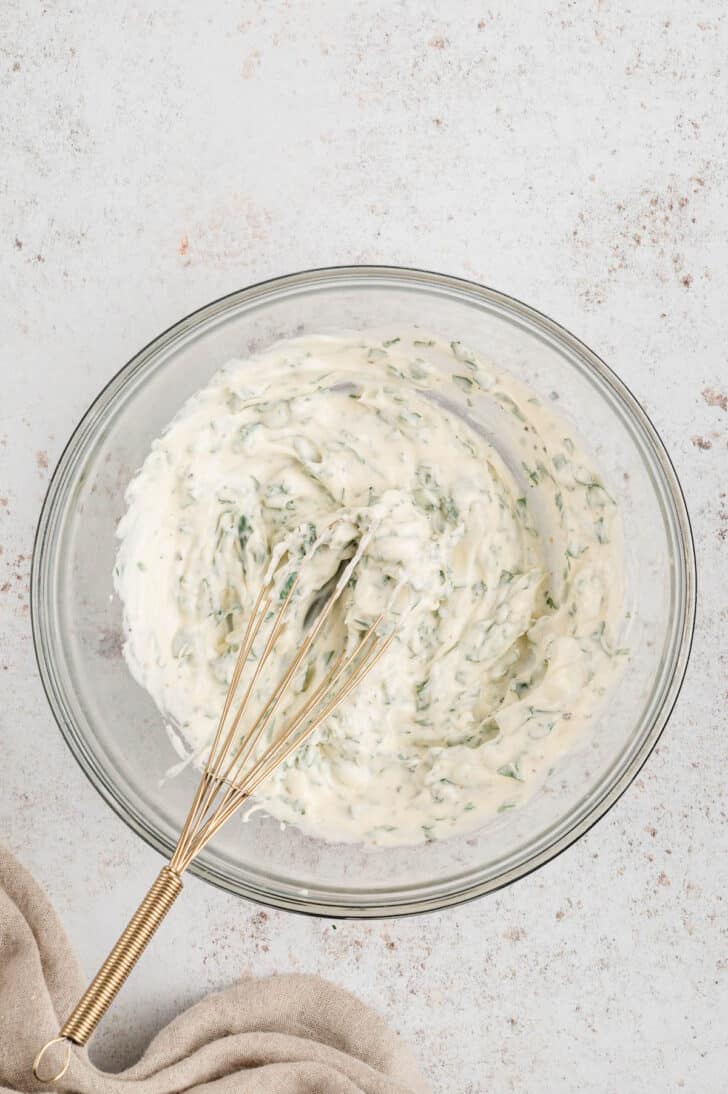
425	278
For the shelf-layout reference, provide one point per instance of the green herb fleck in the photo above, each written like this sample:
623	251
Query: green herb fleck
512	771
287	586
463	382
423	695
449	510
462	353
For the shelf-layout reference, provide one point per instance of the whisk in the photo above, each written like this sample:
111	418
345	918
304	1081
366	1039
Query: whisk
236	765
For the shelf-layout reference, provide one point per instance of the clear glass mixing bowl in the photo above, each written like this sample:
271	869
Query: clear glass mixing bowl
113	728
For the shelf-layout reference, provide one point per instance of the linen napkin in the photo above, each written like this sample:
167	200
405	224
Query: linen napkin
278	1035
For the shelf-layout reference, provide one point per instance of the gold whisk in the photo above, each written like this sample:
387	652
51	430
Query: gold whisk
232	772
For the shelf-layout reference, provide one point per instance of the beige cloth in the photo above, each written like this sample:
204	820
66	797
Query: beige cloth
280	1035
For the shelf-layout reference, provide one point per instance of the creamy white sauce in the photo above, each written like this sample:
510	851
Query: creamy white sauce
507	565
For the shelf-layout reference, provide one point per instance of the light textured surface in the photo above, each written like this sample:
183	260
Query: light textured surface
572	154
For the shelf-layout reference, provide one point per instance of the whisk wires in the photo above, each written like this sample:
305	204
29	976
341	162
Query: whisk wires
236	765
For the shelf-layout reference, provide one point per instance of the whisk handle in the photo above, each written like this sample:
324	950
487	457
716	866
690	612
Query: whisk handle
129	947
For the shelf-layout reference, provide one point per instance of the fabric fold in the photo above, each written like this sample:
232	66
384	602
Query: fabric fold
287	1034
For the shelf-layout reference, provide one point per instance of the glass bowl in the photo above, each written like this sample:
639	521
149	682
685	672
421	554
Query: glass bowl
115	731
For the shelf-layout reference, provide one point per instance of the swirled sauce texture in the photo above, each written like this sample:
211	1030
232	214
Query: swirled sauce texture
510	554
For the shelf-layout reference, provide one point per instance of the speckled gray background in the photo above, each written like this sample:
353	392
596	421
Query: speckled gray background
572	154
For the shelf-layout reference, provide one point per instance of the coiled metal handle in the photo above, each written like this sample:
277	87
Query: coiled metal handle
102	990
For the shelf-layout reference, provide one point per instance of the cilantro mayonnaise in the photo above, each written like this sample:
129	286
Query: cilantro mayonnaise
508	554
